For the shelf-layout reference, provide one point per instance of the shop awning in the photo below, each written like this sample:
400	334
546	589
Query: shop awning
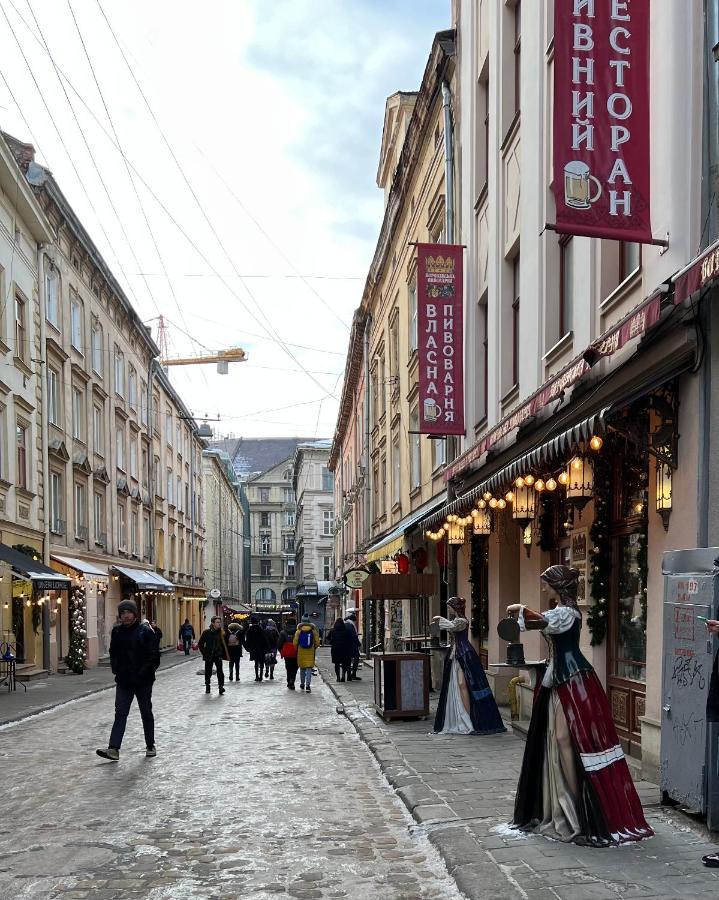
703	272
394	541
42	577
144	580
92	572
546	453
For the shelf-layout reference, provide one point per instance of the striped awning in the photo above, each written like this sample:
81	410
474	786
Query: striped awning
394	542
544	454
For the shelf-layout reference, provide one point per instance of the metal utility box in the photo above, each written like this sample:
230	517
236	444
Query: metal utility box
401	685
690	725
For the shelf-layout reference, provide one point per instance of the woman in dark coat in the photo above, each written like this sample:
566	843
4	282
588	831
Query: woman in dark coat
342	646
272	637
256	646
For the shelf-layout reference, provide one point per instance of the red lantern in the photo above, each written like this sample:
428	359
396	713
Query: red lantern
402	561
420	559
441	553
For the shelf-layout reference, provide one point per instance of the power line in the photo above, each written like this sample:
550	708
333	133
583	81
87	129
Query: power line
268	327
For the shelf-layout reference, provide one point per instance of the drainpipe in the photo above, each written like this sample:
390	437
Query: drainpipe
45	442
450	441
365	455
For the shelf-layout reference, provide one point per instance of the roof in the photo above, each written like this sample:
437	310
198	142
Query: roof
252	456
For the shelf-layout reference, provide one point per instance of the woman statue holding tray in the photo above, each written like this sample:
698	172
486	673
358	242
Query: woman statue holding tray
575	783
466	703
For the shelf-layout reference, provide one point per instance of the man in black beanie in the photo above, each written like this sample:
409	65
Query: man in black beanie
134	657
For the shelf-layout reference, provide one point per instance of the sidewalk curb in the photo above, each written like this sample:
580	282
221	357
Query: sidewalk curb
51	707
477	874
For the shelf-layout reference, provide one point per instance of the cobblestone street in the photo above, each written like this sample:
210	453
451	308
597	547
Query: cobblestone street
260	793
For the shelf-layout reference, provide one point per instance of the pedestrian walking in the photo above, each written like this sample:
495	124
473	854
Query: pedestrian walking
256	646
134	658
234	647
272	636
213	647
187	636
351	621
288	651
158	631
575	784
342	641
307	640
711	860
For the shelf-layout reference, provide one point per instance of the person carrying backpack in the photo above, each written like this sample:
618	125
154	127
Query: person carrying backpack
234	647
288	651
307	640
187	636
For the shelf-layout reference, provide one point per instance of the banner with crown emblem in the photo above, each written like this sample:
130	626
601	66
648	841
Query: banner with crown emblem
440	340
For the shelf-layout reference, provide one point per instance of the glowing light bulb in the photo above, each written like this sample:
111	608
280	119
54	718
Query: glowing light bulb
509	496
502	504
519	482
577	463
529	480
493	503
564	479
487	496
539	486
482	504
596	442
551	484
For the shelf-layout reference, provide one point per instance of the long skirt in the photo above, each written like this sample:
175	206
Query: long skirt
466	702
575	783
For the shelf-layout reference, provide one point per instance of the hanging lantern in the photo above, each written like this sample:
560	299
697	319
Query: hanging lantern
509	496
563	479
580	484
529	480
525	505
501	503
456	533
664	492
519	482
402	563
482	522
539	485
493	503
527	538
596	443
551	484
482	504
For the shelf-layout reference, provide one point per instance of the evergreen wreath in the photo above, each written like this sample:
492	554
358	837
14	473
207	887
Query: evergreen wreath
77	654
601	559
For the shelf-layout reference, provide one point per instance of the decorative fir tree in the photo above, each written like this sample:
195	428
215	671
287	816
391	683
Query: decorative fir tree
76	656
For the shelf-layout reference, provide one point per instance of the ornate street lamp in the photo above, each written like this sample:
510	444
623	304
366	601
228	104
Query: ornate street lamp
524	506
482	521
664	492
580	481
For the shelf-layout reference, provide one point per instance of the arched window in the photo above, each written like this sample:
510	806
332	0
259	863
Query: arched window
288	475
265	594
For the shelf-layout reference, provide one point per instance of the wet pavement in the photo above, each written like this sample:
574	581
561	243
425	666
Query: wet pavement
262	793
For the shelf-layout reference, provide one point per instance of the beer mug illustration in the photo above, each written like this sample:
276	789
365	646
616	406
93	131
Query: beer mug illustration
578	180
431	411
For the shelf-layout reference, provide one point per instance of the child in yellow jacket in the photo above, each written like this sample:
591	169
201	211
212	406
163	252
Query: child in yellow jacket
307	640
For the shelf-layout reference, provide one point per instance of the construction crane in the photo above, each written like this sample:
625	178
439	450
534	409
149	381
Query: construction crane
222	358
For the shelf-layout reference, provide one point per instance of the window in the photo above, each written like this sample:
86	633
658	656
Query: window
265	544
328	481
264	594
290	568
56	523
120	447
484	88
168	426
328	521
96	347
78	414
80	511
375	397
515	320
178	494
482	368
288	495
132	388
264	495
439	453
134	533
289	517
98	516
21	348
265	568
396	473
178	438
21	443
517	55
76	323
288	543
52	308
147	547
143	403
121	527
98	428
382	387
145	467
158	477
566	285
170	488
133	456
327	568
156	413
383	486
630	259
119	372
53	397
415	453
413	315
394	352
187	498
264	520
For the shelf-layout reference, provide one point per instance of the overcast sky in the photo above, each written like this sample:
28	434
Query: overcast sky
274	110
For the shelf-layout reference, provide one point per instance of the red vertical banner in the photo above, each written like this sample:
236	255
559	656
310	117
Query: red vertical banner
440	344
601	178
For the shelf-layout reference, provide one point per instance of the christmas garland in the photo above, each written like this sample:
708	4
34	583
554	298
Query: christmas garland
77	654
601	559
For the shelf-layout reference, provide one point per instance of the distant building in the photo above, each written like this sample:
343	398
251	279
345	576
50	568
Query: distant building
224	521
253	456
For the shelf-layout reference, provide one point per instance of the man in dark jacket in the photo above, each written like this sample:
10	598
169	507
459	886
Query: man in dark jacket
351	622
256	645
187	635
134	657
213	648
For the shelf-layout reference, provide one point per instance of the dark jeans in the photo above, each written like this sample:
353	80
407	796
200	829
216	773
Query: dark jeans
209	663
259	668
342	670
123	702
187	644
235	665
291	667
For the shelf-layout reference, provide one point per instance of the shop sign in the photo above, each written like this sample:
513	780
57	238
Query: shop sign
702	273
440	284
389	567
601	178
49	584
355	578
632	326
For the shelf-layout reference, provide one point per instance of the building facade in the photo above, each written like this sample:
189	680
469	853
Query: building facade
313	486
224	529
123	494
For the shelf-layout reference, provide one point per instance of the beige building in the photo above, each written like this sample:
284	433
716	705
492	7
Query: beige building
224	523
123	494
